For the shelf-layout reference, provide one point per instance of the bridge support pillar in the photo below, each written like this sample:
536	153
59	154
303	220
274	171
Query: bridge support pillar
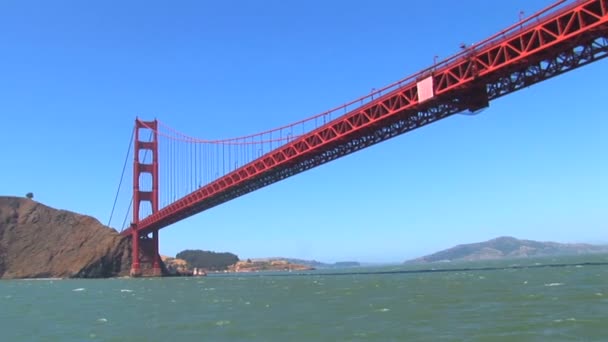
144	246
156	270
135	266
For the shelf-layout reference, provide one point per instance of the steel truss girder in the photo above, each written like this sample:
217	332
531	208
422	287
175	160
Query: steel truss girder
547	37
568	59
561	43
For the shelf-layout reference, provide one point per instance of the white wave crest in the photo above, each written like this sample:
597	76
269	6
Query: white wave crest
554	284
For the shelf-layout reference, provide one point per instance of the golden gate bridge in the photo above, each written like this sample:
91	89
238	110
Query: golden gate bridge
197	174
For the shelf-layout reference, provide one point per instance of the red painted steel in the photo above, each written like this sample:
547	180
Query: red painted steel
540	47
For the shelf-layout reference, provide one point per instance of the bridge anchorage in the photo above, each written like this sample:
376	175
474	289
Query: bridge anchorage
560	38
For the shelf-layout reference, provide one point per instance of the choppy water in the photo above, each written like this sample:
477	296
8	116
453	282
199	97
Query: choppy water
529	304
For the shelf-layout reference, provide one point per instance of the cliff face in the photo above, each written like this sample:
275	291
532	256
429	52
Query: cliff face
38	241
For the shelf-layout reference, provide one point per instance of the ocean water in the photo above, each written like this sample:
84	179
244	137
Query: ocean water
566	303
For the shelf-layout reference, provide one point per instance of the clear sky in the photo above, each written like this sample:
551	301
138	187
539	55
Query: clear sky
75	74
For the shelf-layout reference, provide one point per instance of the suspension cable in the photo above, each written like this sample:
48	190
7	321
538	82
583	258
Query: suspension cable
127	215
124	167
124	221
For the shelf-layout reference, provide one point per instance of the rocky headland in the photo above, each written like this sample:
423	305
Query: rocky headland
37	241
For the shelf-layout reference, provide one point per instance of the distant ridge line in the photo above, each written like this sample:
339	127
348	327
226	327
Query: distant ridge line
508	247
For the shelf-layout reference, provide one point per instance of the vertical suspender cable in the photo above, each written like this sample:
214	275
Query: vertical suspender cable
217	166
193	166
175	175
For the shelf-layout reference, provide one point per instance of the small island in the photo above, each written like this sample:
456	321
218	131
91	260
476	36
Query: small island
200	263
257	265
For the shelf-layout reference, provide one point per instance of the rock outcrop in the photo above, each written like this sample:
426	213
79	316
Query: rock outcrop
37	241
176	266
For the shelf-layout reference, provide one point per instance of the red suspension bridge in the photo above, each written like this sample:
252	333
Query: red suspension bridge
197	174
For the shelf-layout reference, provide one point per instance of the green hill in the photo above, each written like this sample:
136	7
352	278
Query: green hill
509	247
208	260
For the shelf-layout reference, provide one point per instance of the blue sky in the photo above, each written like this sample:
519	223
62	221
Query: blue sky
75	74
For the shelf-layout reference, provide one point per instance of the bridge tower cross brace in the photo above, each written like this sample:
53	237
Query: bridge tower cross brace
138	238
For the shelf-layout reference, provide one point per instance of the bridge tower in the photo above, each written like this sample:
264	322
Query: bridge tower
144	246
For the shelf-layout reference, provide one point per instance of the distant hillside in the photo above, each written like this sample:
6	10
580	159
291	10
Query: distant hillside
509	247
